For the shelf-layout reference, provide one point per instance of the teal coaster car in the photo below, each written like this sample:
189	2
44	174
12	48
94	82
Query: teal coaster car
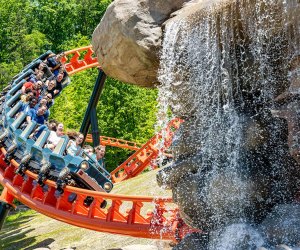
79	171
83	171
66	169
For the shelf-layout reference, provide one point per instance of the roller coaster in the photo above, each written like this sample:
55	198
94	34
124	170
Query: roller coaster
145	217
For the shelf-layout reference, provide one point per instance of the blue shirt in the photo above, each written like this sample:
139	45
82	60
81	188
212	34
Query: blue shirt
39	119
47	113
102	163
24	107
51	62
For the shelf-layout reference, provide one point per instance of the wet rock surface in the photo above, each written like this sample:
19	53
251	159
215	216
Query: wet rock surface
282	225
231	70
236	236
193	241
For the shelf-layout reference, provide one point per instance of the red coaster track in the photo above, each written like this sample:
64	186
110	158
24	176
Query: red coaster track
146	155
79	59
126	215
119	143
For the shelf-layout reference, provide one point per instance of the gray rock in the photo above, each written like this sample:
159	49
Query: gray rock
283	247
194	241
169	176
128	39
282	225
210	200
236	236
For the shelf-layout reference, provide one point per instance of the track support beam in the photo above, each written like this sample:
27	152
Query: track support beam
90	117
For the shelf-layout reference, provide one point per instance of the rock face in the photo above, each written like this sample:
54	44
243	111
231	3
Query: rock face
231	69
128	39
283	225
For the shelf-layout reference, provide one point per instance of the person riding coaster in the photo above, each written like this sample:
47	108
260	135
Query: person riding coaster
31	155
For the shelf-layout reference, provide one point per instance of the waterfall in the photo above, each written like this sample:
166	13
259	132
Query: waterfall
221	68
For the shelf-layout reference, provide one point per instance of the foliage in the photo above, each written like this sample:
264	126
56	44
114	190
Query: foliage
16	216
14	25
124	111
20	43
62	20
7	71
30	27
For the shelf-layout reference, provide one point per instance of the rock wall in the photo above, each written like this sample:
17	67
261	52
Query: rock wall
231	69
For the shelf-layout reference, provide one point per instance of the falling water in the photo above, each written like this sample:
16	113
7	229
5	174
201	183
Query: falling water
222	66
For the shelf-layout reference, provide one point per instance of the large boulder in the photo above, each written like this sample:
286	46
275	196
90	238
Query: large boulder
128	39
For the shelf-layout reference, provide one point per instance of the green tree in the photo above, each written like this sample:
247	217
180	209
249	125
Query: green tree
63	20
7	71
20	43
56	19
124	111
90	13
30	27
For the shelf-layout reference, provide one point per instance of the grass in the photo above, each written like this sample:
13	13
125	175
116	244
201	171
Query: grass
29	230
13	236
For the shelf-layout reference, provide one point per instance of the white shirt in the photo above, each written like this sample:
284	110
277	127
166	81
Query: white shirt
53	138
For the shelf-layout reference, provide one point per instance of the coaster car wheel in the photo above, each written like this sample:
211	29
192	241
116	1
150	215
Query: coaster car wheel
44	172
23	165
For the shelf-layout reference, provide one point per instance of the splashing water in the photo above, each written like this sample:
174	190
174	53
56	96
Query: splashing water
221	68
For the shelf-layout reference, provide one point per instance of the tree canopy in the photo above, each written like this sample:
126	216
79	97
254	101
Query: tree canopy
28	28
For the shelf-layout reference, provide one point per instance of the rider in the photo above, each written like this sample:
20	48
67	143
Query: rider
100	152
74	146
